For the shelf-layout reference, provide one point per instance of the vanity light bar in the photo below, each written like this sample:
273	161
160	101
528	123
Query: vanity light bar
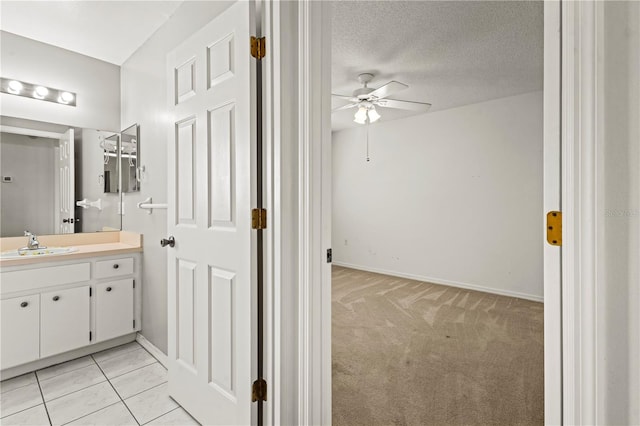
37	91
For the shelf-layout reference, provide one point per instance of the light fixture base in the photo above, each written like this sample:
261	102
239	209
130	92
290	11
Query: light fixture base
365	78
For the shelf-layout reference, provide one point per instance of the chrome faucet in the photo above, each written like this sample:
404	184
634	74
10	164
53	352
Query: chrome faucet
33	243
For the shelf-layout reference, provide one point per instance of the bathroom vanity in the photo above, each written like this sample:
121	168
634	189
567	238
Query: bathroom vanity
59	307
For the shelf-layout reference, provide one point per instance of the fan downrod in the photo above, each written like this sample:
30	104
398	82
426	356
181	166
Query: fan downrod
363	92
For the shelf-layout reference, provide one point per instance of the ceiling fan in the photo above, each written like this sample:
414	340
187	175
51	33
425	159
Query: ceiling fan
366	99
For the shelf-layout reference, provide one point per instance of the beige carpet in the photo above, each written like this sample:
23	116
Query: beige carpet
414	353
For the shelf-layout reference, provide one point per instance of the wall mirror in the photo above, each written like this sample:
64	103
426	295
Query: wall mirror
130	158
110	178
53	179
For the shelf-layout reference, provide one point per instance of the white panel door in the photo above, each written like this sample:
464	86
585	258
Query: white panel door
210	192
66	184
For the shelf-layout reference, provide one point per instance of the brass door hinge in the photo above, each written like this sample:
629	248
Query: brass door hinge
554	228
258	47
259	390
259	218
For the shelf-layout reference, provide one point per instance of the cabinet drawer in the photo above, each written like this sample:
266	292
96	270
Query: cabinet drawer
114	268
20	330
29	279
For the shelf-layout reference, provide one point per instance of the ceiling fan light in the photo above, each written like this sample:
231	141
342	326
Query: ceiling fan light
373	115
361	116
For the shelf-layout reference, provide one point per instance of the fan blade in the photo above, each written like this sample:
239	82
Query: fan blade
387	90
344	107
347	98
412	106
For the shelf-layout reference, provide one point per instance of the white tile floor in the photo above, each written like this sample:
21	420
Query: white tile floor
120	386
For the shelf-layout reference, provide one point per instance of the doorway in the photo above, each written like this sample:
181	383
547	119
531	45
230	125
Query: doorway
437	250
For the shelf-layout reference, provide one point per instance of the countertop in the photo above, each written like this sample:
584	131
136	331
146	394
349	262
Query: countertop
87	245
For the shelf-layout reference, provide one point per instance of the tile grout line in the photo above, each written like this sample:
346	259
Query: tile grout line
17	412
114	389
170	411
44	403
19	387
88	414
66	372
77	390
152	387
60	363
122	355
136	394
135	369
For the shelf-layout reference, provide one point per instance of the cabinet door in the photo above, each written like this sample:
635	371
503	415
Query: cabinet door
20	330
114	309
64	320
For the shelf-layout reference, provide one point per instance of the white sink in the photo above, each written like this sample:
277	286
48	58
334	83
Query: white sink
49	251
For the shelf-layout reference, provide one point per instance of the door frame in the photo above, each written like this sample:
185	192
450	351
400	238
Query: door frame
298	122
297	135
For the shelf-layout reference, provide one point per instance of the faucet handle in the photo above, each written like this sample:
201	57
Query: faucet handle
27	234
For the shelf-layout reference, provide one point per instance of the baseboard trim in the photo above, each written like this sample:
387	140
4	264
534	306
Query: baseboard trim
153	350
458	284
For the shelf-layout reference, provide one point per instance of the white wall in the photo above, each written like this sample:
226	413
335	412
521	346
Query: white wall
144	101
27	202
451	197
618	297
97	84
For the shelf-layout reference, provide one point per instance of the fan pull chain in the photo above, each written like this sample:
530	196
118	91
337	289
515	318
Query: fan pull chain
368	159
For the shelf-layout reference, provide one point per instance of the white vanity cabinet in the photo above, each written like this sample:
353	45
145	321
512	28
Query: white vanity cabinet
53	310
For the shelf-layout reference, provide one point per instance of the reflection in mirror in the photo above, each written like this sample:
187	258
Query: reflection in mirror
109	144
129	152
49	175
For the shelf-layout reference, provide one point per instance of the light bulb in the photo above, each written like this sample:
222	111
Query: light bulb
65	97
40	92
15	87
361	116
373	115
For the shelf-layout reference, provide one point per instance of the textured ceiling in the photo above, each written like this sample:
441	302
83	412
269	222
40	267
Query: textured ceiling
107	30
450	53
